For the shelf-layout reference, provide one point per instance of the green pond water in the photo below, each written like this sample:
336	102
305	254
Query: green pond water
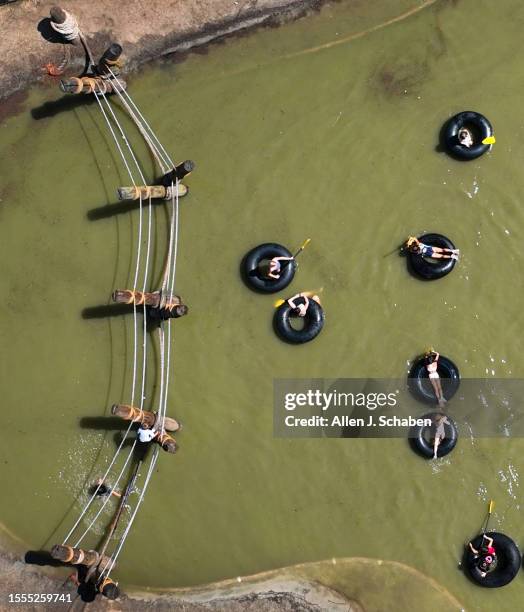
337	144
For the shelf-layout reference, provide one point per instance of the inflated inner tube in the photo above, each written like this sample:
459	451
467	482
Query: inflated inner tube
479	127
313	323
508	561
254	274
426	267
420	385
422	437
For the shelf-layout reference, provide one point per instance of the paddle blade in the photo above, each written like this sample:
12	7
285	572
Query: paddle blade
491	506
489	140
278	303
306	242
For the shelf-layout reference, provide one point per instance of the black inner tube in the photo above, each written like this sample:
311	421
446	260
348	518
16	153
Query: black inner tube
313	323
422	436
428	268
256	277
480	129
508	561
420	385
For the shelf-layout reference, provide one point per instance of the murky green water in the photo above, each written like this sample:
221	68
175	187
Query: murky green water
339	145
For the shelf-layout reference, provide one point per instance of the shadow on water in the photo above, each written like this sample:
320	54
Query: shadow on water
441	145
107	310
103	423
118	208
63	104
117	310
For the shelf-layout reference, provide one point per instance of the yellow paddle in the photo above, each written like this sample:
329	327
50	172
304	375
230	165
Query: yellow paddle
490	510
489	140
306	242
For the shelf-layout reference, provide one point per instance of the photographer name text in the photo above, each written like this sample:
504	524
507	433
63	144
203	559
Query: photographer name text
347	421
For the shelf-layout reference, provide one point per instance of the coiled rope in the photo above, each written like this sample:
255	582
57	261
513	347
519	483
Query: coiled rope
68	29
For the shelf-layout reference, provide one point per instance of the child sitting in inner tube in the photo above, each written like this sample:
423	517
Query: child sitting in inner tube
465	137
431	366
486	558
440	433
425	250
275	268
301	308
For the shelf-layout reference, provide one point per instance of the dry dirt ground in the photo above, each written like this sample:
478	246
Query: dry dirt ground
145	28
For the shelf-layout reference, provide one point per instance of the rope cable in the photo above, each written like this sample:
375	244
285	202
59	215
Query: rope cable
146	125
162	158
119	448
114	556
108	497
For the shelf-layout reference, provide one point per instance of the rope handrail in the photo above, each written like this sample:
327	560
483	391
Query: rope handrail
145	123
106	500
104	573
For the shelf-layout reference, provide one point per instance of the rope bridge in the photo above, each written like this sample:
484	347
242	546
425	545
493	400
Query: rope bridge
101	81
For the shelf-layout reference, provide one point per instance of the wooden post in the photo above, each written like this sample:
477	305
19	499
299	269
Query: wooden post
154	299
153	191
87	85
77	556
166	442
109	589
144	417
110	59
169	312
128	296
179	172
58	15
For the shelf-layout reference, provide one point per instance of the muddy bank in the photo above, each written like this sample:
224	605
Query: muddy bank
348	585
146	30
283	594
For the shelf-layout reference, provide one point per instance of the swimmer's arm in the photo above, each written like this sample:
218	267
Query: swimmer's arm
489	540
282	258
473	550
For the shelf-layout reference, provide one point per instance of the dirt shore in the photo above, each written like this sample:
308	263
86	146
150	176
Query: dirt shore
285	594
146	29
345	585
